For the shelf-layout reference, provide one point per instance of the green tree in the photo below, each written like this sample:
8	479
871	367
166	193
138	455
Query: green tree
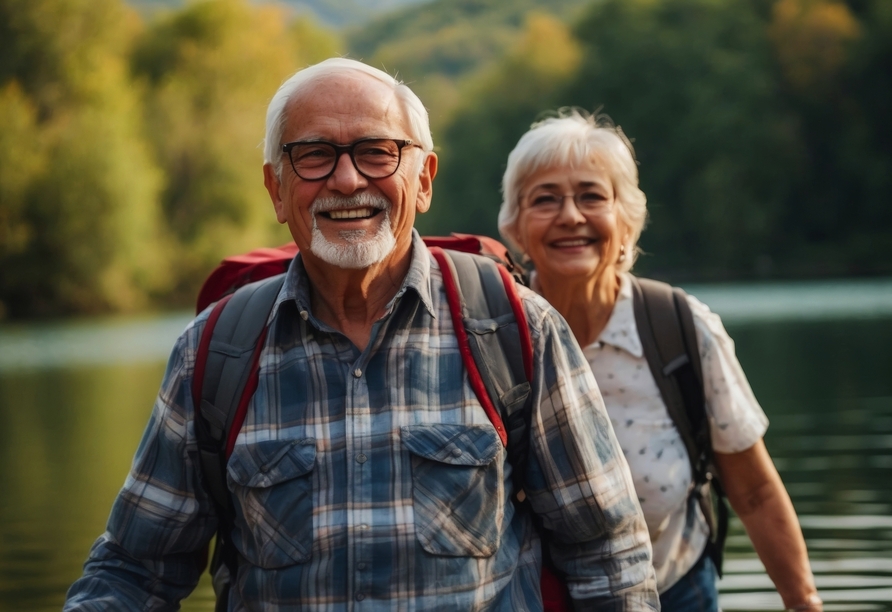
208	72
835	66
692	82
22	157
79	190
436	46
499	105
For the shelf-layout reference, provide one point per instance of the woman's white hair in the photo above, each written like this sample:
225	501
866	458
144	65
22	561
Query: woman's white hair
419	123
570	139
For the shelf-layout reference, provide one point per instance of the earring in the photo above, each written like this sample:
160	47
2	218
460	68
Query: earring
622	254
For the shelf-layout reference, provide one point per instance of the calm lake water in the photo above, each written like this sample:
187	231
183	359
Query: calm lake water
74	398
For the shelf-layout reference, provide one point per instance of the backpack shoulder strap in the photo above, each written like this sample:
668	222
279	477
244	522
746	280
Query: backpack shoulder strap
669	340
225	375
494	338
224	380
670	352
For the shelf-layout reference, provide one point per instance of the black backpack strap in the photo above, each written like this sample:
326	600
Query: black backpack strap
669	341
227	358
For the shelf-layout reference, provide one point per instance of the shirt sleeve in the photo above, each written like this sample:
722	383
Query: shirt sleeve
154	548
578	481
736	419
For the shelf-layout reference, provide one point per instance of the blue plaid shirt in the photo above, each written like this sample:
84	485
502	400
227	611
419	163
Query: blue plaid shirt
373	480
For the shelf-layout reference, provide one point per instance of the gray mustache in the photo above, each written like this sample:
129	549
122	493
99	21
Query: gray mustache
359	200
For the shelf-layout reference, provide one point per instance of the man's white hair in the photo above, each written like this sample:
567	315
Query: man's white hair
571	139
419	123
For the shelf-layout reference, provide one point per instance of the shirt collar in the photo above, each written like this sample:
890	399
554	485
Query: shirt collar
297	285
621	330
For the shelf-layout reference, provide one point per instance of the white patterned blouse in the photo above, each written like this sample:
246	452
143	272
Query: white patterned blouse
650	441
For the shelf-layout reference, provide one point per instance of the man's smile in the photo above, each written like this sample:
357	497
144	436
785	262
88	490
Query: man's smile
353	213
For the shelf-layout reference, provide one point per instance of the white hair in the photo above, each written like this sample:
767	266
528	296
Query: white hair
570	139
419	123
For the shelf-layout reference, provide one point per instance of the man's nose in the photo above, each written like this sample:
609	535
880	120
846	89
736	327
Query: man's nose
346	178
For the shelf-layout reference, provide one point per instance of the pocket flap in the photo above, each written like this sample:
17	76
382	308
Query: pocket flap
453	444
267	463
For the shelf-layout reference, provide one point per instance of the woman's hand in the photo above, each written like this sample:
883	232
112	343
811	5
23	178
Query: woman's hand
814	604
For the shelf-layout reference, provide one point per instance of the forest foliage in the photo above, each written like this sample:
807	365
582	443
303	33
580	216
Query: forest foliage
129	151
129	157
759	126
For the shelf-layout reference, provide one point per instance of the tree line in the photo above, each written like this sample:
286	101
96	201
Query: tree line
129	151
761	128
130	160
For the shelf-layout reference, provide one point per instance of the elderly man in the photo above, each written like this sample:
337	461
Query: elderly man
367	354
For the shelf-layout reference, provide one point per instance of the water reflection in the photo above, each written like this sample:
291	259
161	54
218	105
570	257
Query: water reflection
825	385
74	400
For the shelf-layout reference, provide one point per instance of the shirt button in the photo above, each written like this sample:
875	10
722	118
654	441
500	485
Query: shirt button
357	372
360	596
363	526
304	315
456	452
361	565
361	458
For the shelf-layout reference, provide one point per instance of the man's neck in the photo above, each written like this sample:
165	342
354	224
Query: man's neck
351	301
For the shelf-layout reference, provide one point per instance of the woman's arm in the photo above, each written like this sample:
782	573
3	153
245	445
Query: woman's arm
759	498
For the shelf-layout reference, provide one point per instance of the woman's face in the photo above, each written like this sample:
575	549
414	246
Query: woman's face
568	223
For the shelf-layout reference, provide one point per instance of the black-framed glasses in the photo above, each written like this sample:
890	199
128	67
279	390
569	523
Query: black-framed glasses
374	158
546	204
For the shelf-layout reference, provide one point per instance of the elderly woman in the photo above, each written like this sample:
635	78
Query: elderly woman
572	207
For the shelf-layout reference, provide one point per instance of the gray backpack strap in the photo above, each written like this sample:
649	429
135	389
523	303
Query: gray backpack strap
669	340
665	347
228	351
495	341
226	372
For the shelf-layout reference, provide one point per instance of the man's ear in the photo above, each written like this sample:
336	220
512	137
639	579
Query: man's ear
426	183
274	187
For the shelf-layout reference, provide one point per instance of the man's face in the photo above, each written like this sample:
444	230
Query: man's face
348	220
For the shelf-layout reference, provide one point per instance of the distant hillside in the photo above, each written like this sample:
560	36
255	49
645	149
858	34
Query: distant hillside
441	45
334	13
340	13
464	32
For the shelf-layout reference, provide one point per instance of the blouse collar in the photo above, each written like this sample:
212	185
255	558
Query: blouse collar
621	330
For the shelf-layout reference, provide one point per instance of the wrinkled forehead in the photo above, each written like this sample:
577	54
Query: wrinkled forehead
346	100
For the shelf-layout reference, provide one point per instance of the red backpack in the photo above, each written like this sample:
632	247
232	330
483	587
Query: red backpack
244	287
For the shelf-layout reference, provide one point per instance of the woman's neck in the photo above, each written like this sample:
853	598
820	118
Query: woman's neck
585	304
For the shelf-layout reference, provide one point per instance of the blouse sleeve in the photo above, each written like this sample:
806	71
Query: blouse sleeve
736	419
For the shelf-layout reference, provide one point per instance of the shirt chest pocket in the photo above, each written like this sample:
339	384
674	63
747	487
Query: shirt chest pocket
272	483
457	489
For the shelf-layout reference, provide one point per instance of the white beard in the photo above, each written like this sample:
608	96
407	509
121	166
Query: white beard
360	251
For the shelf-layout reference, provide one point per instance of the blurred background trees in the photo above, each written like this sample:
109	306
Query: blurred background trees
129	140
129	151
